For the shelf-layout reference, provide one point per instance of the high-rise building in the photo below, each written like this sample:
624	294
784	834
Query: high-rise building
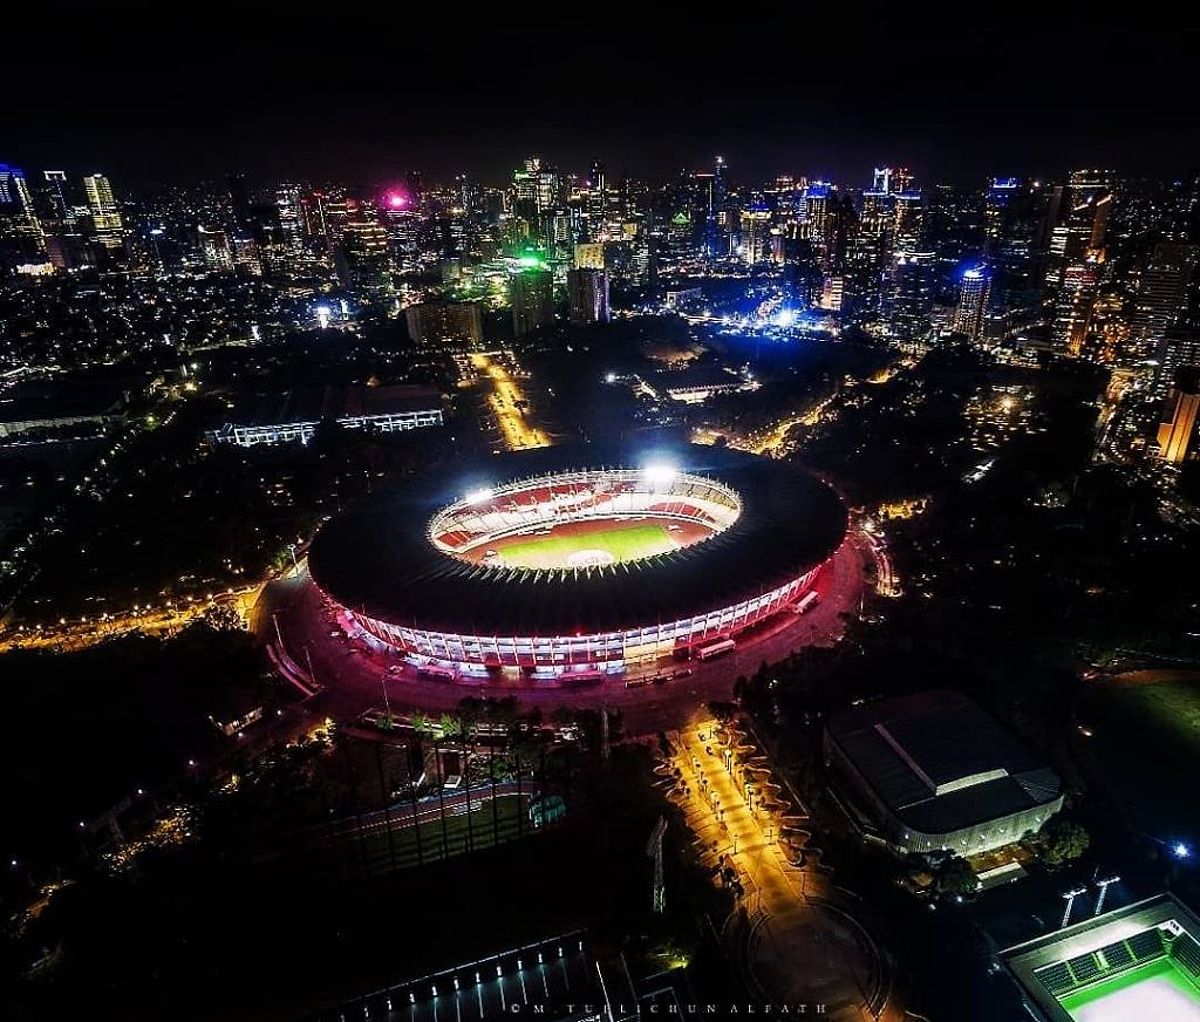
589	256
908	302
19	225
1091	197
587	296
363	252
107	223
215	247
1177	431
56	193
291	225
532	296
239	201
1074	305
755	241
439	322
972	302
1161	293
246	258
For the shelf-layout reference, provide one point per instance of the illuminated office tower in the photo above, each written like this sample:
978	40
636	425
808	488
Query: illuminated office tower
107	223
1084	210
998	204
1177	431
755	244
18	221
215	247
972	302
597	189
246	258
439	322
362	256
907	223
908	300
324	215
589	256
1073	308
587	296
291	225
532	296
239	201
1161	294
55	191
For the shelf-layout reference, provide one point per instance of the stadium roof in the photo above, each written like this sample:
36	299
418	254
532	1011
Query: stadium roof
940	762
377	557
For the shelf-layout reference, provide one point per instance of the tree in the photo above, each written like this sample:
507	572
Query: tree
1062	841
221	617
955	876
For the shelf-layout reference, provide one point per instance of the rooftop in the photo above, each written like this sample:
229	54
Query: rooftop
940	762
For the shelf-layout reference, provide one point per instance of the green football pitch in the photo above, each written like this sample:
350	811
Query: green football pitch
1158	992
622	541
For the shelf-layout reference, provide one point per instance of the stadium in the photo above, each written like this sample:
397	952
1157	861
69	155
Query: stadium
1138	962
580	560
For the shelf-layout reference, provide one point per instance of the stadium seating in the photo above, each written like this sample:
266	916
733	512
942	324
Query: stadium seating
1146	945
1057	979
1117	955
1084	968
1186	952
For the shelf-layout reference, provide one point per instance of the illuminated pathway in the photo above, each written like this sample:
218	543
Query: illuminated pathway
505	402
799	943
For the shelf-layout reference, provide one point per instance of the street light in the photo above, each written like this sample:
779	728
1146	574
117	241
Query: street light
1104	885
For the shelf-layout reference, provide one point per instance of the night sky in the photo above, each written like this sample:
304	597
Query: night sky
365	98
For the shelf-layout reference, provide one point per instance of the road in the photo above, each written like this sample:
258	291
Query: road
354	675
802	942
509	405
148	620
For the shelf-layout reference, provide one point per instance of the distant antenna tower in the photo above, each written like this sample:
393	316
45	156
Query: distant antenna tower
654	850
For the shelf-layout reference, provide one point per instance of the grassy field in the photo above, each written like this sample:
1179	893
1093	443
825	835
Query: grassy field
1157	991
1147	742
623	541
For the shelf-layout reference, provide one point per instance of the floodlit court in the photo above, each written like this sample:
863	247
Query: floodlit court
574	548
1140	963
1158	992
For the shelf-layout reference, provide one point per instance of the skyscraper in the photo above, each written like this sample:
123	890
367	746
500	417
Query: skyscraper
56	194
755	242
587	296
1177	431
972	302
1160	295
532	296
433	322
215	247
287	204
19	225
107	223
1073	308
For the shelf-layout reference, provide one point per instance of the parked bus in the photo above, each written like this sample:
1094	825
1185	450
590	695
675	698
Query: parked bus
807	603
715	649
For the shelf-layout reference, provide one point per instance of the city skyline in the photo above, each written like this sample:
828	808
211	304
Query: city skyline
593	514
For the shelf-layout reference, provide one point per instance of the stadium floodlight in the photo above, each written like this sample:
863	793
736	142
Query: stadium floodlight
659	473
479	495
